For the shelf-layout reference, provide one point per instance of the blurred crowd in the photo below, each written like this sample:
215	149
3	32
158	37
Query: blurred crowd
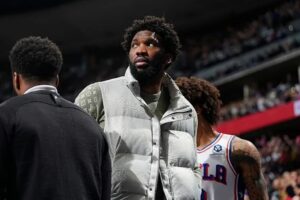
281	165
260	99
286	186
202	52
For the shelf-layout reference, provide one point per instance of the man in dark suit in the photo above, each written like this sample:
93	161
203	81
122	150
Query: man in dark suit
49	147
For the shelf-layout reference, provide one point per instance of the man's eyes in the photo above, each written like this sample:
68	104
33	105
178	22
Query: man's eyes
134	45
149	44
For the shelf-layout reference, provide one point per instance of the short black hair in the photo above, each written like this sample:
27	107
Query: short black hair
36	58
201	93
158	25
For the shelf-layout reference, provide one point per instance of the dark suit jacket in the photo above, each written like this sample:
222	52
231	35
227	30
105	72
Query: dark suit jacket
51	149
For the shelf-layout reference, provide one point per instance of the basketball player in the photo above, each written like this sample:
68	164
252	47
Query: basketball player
228	164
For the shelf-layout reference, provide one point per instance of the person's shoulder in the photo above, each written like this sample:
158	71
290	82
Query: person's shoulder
96	86
92	86
13	102
240	144
81	116
11	106
77	109
244	153
68	104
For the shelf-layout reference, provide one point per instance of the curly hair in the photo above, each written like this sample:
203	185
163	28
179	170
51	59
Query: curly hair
203	94
158	25
36	58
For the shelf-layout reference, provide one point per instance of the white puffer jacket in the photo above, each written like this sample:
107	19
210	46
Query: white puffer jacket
142	147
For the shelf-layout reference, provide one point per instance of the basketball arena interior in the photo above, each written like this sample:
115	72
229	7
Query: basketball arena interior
250	50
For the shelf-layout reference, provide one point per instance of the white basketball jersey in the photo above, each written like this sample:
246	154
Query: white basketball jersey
219	178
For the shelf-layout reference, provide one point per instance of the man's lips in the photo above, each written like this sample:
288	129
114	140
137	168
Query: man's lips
141	64
141	61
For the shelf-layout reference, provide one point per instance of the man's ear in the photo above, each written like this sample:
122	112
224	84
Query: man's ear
57	81
16	82
169	59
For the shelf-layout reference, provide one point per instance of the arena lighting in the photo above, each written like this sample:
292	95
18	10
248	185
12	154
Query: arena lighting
259	120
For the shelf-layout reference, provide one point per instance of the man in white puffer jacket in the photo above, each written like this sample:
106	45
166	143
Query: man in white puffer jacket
150	127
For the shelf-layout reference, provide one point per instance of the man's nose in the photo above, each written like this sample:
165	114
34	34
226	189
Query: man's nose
141	50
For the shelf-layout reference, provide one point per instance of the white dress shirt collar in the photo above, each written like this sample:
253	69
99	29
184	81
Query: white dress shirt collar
41	88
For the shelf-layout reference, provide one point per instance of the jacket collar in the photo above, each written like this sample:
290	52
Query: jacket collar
132	83
177	101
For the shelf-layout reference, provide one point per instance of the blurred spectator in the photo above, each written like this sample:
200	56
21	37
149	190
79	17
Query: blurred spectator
258	102
275	26
281	165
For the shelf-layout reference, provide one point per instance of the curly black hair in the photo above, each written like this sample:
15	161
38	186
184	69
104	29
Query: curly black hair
36	58
158	25
203	94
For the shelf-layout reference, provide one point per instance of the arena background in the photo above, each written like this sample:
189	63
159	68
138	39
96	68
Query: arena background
248	49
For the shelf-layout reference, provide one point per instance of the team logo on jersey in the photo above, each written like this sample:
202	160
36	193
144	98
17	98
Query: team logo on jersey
217	148
213	172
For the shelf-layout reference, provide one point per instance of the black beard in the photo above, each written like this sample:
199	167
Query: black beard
147	76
